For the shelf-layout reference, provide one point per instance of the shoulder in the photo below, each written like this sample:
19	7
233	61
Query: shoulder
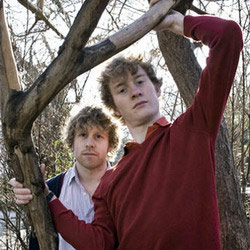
55	178
109	175
55	183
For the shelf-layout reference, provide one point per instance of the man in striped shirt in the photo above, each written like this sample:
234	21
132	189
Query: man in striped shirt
91	135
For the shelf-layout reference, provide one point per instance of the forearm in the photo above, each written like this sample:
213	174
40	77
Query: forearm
213	30
78	233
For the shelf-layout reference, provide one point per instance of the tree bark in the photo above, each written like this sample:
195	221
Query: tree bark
183	66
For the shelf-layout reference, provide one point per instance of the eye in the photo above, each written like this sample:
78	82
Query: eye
139	81
98	136
83	134
122	90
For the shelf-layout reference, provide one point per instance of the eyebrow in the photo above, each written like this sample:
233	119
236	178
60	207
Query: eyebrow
118	84
123	82
138	76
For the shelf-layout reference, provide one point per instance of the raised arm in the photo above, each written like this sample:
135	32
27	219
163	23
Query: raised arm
174	21
224	39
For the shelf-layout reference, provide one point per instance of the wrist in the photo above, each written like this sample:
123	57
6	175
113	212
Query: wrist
179	25
50	196
46	190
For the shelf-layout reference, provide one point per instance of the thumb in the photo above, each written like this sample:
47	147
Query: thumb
42	168
153	2
15	184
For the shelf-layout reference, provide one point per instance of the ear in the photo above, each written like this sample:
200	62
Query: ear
158	91
109	150
109	155
117	113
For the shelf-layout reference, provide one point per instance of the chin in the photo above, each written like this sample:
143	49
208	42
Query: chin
150	117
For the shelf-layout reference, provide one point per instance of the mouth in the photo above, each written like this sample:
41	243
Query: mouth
89	154
139	104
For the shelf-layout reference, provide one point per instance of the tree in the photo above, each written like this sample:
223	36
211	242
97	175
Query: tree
22	108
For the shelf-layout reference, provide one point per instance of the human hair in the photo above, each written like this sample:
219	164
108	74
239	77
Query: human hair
119	68
92	116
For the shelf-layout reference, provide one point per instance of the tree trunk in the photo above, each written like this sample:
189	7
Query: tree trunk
182	64
24	162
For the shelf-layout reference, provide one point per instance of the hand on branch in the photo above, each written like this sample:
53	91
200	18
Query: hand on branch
23	195
173	21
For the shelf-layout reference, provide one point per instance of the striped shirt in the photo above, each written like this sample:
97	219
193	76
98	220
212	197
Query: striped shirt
75	197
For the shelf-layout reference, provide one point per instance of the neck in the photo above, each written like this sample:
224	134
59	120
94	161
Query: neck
139	132
90	178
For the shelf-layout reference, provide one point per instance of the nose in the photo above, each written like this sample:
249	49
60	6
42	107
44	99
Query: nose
89	143
136	92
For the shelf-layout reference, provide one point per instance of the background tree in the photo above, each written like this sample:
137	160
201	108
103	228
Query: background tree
35	47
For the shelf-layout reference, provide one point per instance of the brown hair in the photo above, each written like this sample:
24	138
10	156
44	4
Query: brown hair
118	68
92	116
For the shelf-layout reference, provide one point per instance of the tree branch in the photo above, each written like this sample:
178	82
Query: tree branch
8	57
61	72
39	15
197	10
8	71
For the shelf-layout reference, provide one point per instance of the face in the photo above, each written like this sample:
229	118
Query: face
90	147
136	99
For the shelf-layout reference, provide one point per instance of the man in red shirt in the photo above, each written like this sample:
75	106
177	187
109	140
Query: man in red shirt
161	194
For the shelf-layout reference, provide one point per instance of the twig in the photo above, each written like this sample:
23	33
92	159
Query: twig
39	15
197	10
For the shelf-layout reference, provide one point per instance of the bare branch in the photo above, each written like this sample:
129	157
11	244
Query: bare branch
123	38
144	24
197	10
39	15
8	57
61	72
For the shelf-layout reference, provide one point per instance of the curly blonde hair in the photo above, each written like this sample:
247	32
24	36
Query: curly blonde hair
92	116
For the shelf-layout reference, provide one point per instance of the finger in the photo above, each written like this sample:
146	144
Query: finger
173	12
15	183
46	189
22	202
42	168
153	2
22	191
22	197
